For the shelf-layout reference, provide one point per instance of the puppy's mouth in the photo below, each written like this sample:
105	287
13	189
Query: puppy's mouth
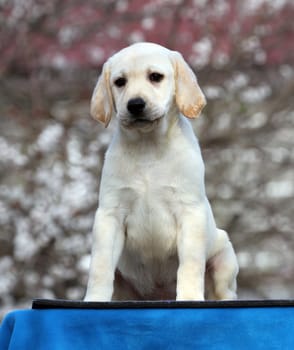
140	123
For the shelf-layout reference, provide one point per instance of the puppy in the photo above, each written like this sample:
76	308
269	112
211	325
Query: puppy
154	233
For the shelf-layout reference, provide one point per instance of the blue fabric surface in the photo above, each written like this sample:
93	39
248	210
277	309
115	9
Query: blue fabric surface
212	328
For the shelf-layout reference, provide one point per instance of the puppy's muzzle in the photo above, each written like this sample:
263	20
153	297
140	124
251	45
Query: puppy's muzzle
140	115
136	106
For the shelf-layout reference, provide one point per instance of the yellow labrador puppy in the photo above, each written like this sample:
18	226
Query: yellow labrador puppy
154	234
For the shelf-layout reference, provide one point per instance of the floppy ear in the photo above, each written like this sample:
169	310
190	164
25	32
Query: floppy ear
189	97
102	101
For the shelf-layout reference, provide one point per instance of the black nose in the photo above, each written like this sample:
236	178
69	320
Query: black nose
136	105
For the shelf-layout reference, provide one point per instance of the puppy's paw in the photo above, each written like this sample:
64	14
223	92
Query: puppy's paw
98	294
96	298
227	295
192	296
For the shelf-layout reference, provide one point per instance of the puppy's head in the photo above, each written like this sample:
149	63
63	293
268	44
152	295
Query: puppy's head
141	83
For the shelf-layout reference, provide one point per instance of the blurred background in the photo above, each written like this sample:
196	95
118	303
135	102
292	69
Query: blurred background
51	151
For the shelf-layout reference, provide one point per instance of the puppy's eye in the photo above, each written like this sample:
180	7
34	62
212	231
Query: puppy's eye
155	77
120	82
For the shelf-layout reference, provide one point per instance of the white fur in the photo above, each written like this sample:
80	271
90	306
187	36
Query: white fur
154	234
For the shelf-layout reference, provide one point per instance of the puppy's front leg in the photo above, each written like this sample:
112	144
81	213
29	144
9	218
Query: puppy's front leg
192	255
108	241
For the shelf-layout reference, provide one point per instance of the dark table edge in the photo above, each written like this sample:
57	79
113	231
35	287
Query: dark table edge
73	304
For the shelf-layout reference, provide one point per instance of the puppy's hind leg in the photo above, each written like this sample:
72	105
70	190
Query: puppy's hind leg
224	268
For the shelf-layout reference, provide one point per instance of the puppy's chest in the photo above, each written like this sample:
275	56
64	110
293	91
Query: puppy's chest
151	219
151	191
